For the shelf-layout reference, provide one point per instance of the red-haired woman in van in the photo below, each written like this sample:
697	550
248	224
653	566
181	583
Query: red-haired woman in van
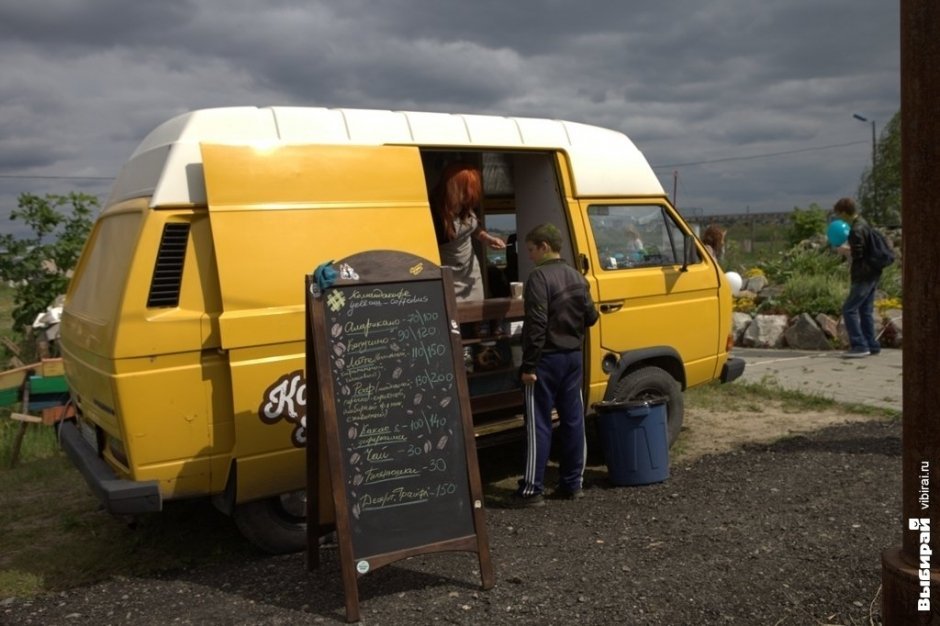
714	240
454	201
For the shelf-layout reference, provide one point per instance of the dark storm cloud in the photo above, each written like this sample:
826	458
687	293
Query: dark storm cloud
65	27
691	82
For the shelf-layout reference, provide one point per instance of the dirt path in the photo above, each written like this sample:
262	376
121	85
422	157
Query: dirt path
710	432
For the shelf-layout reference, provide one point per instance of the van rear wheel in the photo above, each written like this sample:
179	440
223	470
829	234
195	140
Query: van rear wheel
277	525
649	383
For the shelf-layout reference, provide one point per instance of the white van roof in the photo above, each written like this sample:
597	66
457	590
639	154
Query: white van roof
167	165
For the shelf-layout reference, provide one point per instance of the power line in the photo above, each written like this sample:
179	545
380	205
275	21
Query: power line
758	156
54	177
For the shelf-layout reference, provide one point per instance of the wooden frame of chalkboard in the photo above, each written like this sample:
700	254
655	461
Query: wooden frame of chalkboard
384	341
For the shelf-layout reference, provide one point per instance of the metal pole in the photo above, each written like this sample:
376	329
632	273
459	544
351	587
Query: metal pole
675	188
874	163
874	160
910	574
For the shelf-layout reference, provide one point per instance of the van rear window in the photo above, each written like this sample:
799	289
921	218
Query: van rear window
97	288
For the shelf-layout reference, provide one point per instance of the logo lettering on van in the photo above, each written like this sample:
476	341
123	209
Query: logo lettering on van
287	399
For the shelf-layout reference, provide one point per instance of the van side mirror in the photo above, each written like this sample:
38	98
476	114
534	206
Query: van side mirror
688	250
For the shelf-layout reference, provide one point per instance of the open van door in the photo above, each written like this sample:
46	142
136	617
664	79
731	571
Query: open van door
275	214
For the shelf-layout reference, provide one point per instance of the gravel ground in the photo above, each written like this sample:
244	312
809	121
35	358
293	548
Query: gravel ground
788	533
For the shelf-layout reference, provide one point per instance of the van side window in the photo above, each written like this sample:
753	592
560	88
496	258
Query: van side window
629	236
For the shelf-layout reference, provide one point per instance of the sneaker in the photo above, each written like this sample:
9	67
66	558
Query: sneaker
855	353
519	501
874	351
564	494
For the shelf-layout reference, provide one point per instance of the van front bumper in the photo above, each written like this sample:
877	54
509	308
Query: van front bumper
732	370
119	496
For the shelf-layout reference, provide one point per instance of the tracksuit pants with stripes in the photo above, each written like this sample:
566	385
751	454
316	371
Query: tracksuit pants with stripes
558	385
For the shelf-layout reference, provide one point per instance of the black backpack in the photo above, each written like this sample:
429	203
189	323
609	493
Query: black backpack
878	254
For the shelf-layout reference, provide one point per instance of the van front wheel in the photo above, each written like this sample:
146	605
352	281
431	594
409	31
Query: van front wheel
276	525
651	383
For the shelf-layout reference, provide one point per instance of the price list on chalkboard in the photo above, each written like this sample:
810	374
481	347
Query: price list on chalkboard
398	415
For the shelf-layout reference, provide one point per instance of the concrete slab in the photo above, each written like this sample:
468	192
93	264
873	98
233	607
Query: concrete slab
873	380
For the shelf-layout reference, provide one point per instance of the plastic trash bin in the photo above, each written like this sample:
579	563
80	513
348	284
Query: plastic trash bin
635	440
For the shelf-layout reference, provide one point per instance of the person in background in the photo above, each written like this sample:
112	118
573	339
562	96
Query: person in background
634	243
558	310
714	240
859	305
454	202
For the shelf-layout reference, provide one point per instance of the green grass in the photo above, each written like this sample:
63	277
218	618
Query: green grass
741	396
55	536
6	311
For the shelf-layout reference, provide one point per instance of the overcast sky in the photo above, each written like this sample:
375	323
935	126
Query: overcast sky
749	102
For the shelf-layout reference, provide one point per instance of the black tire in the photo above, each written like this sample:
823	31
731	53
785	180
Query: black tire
276	525
647	383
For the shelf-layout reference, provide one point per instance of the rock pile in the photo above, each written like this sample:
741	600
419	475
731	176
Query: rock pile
803	331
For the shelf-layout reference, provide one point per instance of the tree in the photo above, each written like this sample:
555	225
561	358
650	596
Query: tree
38	266
805	223
879	192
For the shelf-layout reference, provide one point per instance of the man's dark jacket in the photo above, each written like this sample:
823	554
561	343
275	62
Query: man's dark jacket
558	309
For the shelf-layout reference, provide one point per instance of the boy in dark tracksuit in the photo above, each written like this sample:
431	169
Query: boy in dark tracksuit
558	310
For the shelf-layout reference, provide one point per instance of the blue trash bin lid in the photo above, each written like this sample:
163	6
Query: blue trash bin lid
607	406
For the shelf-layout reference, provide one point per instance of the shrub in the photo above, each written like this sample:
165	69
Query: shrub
805	223
890	282
883	305
801	261
744	304
813	294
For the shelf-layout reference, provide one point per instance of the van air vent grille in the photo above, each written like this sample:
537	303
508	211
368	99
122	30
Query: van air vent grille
168	270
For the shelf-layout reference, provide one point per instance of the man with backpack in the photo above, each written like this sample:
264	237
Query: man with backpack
869	254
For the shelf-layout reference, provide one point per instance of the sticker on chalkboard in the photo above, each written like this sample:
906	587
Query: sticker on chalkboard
362	567
347	273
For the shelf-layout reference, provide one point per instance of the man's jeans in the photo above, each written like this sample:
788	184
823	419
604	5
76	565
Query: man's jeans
857	314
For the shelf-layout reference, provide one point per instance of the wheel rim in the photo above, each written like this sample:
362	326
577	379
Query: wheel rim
292	506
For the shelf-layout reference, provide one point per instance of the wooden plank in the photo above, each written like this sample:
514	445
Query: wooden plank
22	417
47	385
14	378
9	345
52	367
55	414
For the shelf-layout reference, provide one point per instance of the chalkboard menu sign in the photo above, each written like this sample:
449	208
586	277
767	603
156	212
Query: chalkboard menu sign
395	414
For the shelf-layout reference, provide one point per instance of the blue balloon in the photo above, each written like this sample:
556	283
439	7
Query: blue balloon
838	232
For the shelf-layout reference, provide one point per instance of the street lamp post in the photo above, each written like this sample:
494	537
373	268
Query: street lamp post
874	152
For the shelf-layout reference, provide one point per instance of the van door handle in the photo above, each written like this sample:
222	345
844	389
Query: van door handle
610	307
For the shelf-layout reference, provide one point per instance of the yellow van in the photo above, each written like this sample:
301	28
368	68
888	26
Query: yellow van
183	329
